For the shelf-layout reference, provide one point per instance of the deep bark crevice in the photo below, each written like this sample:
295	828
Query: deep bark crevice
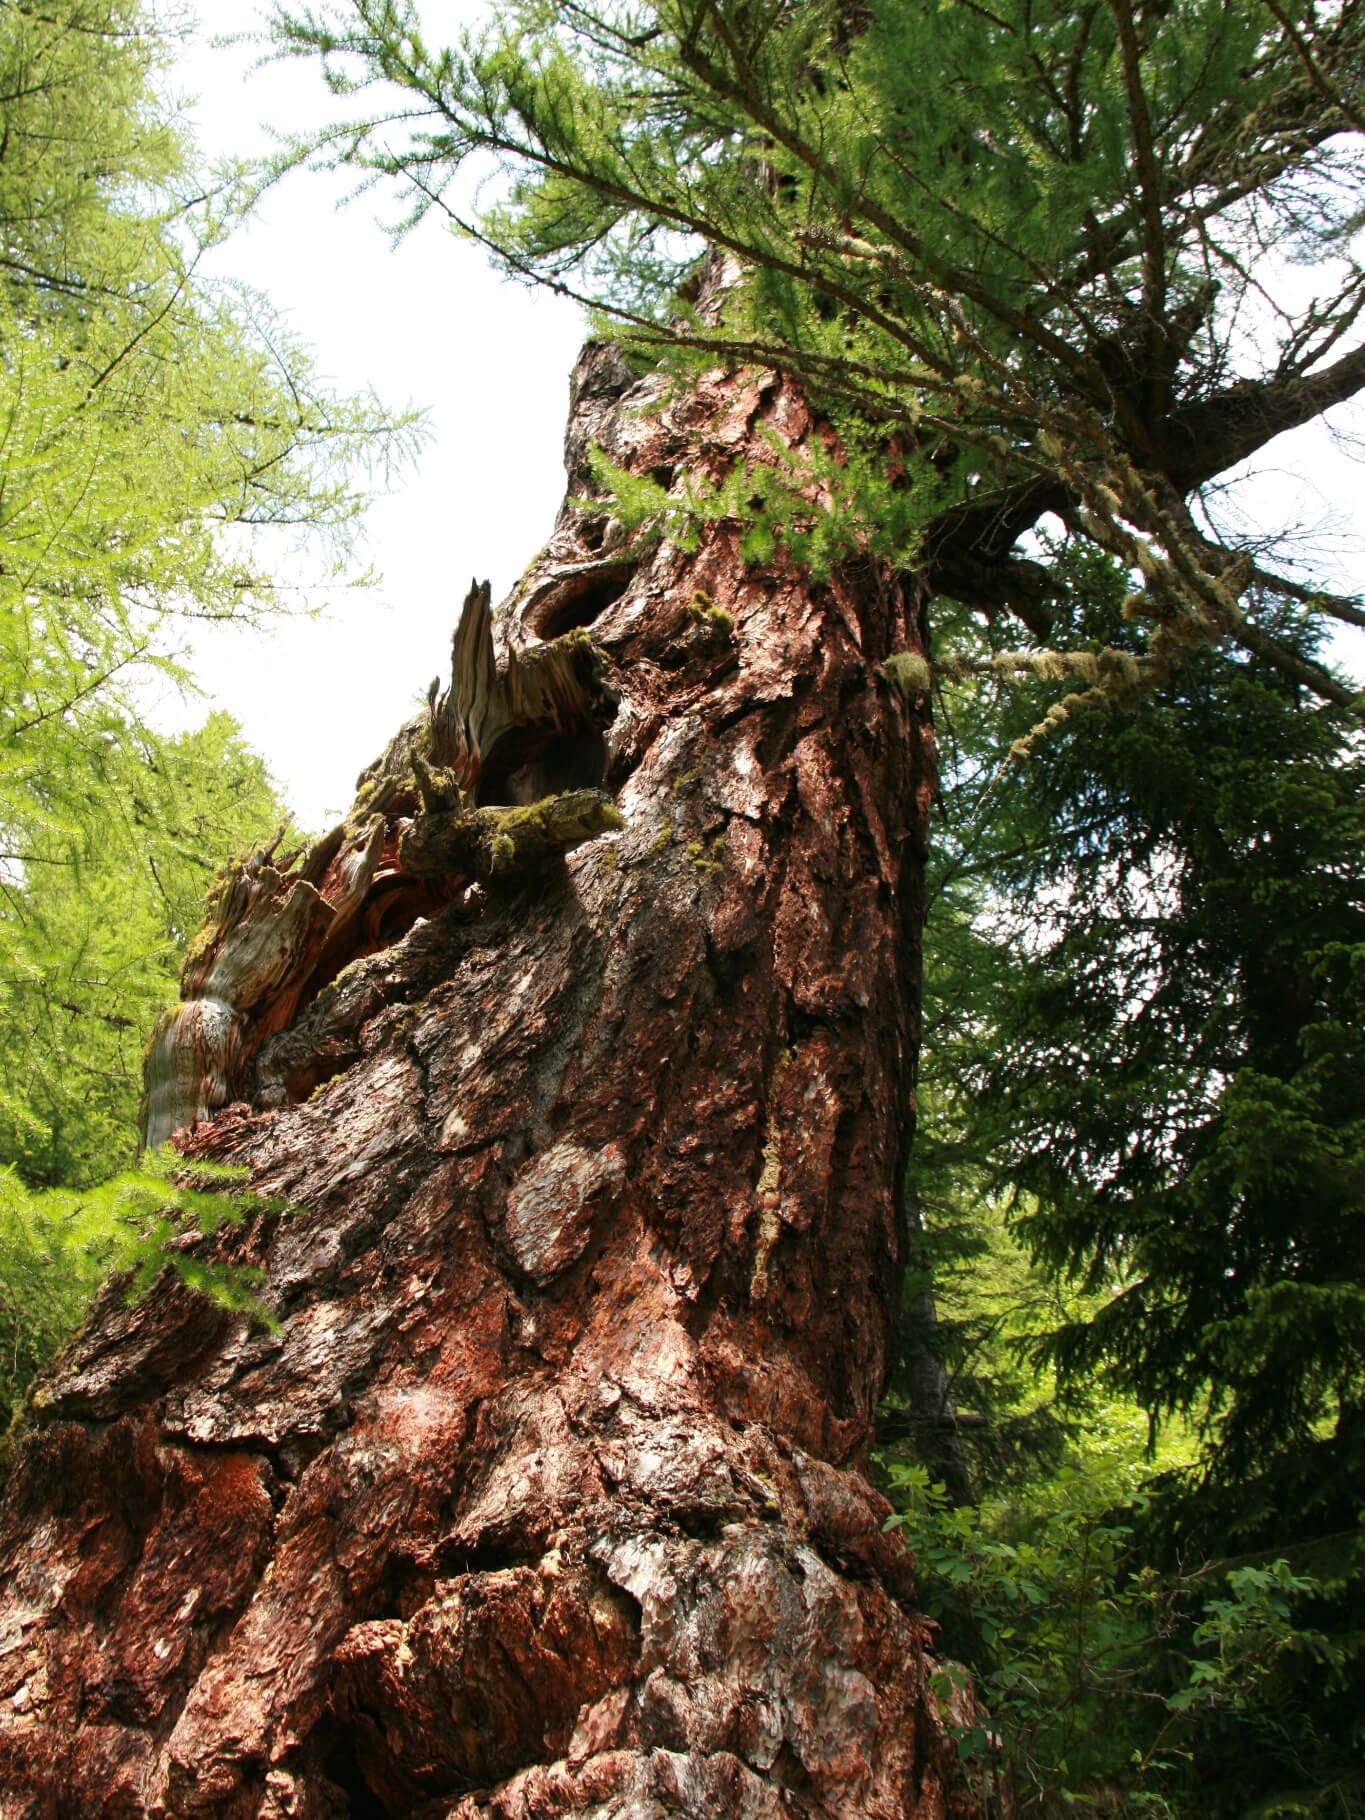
340	1766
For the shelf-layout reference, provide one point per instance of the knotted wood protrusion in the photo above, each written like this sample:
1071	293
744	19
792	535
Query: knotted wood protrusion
272	929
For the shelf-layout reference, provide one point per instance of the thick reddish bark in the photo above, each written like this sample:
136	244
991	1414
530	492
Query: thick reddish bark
545	1498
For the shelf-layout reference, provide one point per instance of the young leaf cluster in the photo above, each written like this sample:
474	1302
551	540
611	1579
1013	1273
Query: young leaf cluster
1100	1682
58	1245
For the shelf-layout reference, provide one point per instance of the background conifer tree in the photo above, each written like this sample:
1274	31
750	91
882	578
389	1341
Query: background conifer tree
155	432
1144	1052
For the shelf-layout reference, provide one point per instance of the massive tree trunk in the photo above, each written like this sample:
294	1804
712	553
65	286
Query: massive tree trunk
545	1496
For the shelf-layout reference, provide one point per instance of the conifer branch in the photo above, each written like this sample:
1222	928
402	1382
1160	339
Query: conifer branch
1316	74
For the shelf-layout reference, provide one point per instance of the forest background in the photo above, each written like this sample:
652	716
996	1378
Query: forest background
1126	1441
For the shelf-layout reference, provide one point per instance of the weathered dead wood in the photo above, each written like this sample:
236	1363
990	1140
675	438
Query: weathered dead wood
536	691
546	1497
268	931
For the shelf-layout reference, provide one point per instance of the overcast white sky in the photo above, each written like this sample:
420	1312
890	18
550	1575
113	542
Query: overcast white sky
428	323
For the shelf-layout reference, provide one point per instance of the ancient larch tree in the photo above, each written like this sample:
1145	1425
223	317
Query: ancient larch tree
581	1055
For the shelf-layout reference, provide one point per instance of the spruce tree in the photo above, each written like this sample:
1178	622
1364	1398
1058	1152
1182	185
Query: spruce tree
1150	942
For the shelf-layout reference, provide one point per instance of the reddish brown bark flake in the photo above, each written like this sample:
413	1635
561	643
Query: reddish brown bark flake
581	1055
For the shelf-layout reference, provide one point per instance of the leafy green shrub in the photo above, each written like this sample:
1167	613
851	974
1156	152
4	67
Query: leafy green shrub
1099	1678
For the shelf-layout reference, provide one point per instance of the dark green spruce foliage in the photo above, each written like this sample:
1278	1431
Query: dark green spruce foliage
1145	993
1174	1062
